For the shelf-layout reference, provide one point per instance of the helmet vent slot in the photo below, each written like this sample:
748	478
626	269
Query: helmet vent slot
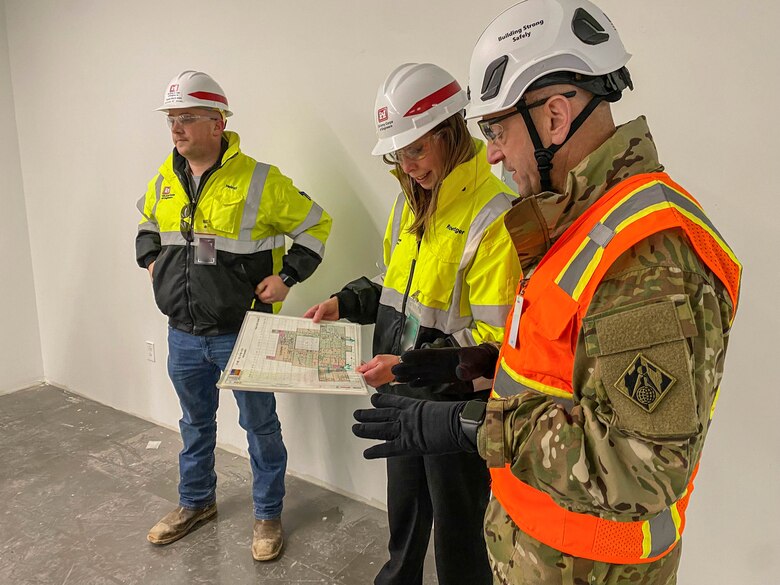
587	29
494	75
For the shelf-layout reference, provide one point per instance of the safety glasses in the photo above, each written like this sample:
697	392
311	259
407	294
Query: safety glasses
185	225
413	152
492	130
187	119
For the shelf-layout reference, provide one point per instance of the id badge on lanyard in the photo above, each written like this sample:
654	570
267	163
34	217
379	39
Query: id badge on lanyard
411	325
514	328
205	249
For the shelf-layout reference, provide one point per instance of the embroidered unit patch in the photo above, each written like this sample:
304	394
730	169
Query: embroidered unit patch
645	383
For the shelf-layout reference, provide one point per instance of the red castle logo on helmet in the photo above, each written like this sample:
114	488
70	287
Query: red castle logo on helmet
174	88
381	115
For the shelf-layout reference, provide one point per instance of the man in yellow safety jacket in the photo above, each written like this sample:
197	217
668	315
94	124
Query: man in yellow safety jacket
212	237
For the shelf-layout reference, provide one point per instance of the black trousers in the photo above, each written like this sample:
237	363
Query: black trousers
449	492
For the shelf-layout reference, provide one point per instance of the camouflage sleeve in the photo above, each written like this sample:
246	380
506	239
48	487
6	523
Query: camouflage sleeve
647	371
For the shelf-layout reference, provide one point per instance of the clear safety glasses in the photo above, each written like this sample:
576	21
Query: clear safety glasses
185	225
187	119
414	152
492	130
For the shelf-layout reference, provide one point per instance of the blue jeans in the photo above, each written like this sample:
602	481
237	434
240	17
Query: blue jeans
194	366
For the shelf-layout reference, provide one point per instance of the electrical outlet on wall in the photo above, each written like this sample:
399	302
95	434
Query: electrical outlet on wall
150	351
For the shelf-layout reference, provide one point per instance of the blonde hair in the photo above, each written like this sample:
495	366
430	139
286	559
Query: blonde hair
458	147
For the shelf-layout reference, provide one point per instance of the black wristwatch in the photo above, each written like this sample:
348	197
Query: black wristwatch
287	280
471	417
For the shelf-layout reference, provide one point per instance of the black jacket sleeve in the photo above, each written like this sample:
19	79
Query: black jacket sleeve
147	247
300	262
359	301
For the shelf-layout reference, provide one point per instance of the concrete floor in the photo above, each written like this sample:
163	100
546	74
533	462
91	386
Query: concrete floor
80	490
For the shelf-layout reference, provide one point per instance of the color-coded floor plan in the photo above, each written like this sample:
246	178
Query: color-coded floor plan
290	354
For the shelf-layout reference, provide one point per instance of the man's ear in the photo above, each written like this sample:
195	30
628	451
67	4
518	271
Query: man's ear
558	118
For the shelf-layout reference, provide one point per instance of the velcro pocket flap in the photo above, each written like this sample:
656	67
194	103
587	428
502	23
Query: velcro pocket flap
639	326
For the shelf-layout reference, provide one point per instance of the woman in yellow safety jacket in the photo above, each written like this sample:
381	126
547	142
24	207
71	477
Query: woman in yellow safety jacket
449	280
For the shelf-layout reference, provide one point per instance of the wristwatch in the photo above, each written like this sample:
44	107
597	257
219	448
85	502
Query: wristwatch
287	280
471	417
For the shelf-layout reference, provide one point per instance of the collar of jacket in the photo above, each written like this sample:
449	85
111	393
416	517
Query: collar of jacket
230	148
628	152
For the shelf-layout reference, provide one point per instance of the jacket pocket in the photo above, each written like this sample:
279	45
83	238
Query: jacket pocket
437	271
643	360
224	214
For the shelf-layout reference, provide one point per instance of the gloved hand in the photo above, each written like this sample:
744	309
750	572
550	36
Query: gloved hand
411	427
425	367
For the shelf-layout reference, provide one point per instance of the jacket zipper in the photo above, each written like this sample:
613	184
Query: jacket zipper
184	180
406	298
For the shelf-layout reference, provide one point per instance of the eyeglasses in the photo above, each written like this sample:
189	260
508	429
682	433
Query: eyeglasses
185	225
187	119
412	152
492	130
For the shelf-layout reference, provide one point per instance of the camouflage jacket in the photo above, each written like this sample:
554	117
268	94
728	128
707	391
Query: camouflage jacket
607	457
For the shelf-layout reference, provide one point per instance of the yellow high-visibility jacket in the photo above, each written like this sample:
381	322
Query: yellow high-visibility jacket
247	208
455	285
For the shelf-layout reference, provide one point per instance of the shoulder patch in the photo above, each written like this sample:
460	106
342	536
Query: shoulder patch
645	383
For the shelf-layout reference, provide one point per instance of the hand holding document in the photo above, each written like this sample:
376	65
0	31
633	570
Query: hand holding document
275	353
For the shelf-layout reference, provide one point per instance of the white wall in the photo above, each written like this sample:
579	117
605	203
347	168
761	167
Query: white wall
20	345
700	71
302	78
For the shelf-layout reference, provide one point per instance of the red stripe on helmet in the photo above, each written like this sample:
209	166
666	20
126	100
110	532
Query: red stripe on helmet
207	95
434	99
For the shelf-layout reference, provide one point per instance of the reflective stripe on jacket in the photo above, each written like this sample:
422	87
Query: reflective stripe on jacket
541	358
458	281
248	208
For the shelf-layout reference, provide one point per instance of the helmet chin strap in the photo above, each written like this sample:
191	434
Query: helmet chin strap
544	155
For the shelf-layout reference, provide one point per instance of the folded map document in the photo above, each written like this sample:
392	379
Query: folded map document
275	353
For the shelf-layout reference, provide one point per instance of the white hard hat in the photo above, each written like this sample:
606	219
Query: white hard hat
536	39
194	89
415	98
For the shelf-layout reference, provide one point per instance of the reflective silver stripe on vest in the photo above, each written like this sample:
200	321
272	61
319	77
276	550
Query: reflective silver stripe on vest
254	195
451	321
445	321
397	213
577	268
312	218
663	532
309	242
506	387
465	338
492	210
172	239
494	315
602	233
158	194
227	244
150	225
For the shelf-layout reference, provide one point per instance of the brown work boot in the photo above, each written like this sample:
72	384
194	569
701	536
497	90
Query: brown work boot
267	539
178	523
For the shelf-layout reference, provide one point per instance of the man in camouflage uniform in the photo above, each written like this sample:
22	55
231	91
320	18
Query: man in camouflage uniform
609	451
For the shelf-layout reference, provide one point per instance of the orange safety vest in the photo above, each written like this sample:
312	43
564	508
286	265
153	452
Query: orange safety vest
553	303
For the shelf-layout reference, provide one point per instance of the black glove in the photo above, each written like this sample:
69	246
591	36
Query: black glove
426	367
411	427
